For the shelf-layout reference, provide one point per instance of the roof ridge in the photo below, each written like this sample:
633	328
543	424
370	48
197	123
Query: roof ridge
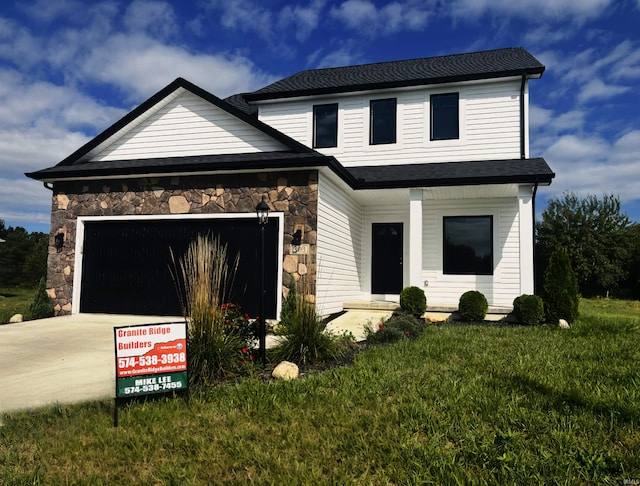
411	59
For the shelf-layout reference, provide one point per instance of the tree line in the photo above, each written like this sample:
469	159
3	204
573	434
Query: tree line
602	244
23	257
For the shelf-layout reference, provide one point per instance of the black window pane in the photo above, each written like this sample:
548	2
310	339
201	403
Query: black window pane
468	245
444	117
325	126
383	121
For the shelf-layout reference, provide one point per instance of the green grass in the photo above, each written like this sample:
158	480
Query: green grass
14	301
459	405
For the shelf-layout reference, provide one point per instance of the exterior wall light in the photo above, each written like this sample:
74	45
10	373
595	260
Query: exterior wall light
59	241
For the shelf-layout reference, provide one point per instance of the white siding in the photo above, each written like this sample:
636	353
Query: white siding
500	288
339	248
489	125
189	125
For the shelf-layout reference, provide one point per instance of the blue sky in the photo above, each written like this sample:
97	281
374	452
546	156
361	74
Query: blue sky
70	68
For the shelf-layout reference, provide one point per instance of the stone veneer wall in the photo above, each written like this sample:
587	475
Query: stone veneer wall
294	193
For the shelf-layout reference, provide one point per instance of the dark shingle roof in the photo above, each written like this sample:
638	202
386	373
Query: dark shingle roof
239	101
517	171
497	63
194	163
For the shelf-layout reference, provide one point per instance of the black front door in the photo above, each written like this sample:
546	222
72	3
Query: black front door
386	258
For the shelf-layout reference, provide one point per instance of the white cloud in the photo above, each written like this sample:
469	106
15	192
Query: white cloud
152	17
532	9
34	208
46	11
592	165
23	104
304	19
596	89
367	18
139	66
344	56
546	35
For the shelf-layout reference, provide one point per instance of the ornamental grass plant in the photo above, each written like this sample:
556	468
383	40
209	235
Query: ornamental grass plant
303	337
203	278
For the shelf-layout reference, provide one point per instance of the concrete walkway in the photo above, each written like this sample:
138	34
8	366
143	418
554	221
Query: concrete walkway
71	359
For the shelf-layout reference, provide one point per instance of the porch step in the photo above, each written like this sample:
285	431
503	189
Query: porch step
382	305
434	312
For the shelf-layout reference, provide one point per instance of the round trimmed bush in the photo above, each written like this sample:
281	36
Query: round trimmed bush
529	309
473	306
413	301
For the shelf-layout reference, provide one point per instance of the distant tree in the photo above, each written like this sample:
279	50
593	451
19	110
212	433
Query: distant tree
630	287
560	290
595	235
23	256
42	305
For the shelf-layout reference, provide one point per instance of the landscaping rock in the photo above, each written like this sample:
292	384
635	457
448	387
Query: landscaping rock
285	371
563	324
16	318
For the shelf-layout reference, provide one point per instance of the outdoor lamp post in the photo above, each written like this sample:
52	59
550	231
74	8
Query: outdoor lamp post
262	211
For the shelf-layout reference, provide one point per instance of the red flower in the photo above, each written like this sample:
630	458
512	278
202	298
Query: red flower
246	316
381	325
244	350
408	334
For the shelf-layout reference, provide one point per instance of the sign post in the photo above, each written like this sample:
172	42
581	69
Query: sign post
150	359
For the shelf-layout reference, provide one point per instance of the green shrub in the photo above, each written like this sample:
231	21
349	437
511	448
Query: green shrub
289	304
399	326
473	306
413	301
560	288
42	305
303	335
529	309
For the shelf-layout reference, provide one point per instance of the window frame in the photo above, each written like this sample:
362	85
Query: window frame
315	126
372	124
472	271
434	115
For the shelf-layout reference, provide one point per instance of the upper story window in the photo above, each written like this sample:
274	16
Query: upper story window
444	117
383	121
468	245
325	125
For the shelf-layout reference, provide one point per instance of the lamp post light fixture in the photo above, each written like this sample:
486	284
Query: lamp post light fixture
262	211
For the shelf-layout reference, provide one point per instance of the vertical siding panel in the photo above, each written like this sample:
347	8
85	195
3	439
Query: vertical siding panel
339	247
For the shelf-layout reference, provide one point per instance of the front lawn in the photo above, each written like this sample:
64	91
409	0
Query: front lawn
459	405
14	301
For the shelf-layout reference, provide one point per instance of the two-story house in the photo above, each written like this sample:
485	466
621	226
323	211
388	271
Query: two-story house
412	172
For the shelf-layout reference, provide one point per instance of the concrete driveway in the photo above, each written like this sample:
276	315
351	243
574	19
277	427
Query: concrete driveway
71	359
63	359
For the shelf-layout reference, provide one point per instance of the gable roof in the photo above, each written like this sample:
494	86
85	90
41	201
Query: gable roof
498	63
81	155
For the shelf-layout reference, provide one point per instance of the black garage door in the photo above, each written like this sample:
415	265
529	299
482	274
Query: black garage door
126	265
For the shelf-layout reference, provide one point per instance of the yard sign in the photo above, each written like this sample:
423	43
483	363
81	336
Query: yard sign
150	359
